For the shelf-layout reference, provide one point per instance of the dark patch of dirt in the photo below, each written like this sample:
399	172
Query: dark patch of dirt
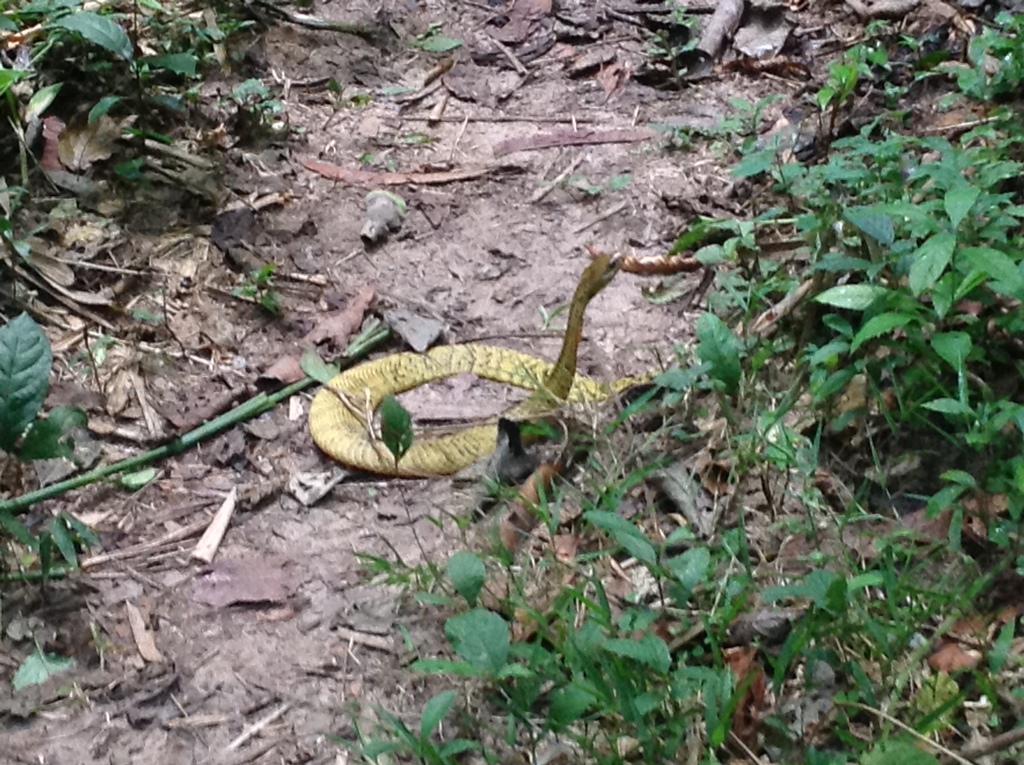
479	255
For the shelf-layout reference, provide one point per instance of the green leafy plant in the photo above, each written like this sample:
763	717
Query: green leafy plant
25	361
395	427
433	41
259	287
423	745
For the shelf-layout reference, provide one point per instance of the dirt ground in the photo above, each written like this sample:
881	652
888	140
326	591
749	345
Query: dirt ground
485	256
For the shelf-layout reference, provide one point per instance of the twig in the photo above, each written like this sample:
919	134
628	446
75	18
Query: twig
370	641
257	405
907	729
312	22
540	119
455	145
257	726
613	210
206	548
142	635
145	548
543	192
510	56
995	744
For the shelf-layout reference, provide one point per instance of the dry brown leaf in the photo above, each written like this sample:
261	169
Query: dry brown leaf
612	77
52	128
520	519
952	657
83	142
742	660
338	327
522	20
230	581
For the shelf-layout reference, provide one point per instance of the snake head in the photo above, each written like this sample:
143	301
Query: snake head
599	273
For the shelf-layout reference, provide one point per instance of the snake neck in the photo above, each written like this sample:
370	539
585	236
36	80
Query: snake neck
594	279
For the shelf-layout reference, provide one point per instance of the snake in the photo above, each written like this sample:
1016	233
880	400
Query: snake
341	414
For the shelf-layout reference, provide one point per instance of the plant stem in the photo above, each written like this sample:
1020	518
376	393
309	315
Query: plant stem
365	342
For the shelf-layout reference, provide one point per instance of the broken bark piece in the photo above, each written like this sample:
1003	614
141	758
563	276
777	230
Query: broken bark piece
571	138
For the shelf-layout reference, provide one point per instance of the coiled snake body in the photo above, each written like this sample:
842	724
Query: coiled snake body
337	418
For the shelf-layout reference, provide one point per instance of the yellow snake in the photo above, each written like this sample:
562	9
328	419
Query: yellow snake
338	418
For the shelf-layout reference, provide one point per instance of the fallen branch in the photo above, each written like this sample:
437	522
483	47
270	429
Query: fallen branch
571	138
384	178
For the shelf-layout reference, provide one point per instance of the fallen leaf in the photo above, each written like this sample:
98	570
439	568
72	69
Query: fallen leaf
952	657
338	327
52	128
520	518
749	675
612	77
231	581
522	20
82	142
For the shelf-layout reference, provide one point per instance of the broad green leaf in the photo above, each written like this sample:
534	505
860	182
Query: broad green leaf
100	30
446	667
63	540
1000	650
103	107
710	254
178	63
449	749
898	753
677	379
720	350
467	573
7	25
855	297
434	711
25	361
569	703
649	650
16	529
41	101
10	76
947	406
49	437
881	324
39	667
997	265
953	348
624	533
691	567
754	163
961	477
959	201
437	44
395	427
823	587
930	261
619	182
873	222
481	638
138	479
316	367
